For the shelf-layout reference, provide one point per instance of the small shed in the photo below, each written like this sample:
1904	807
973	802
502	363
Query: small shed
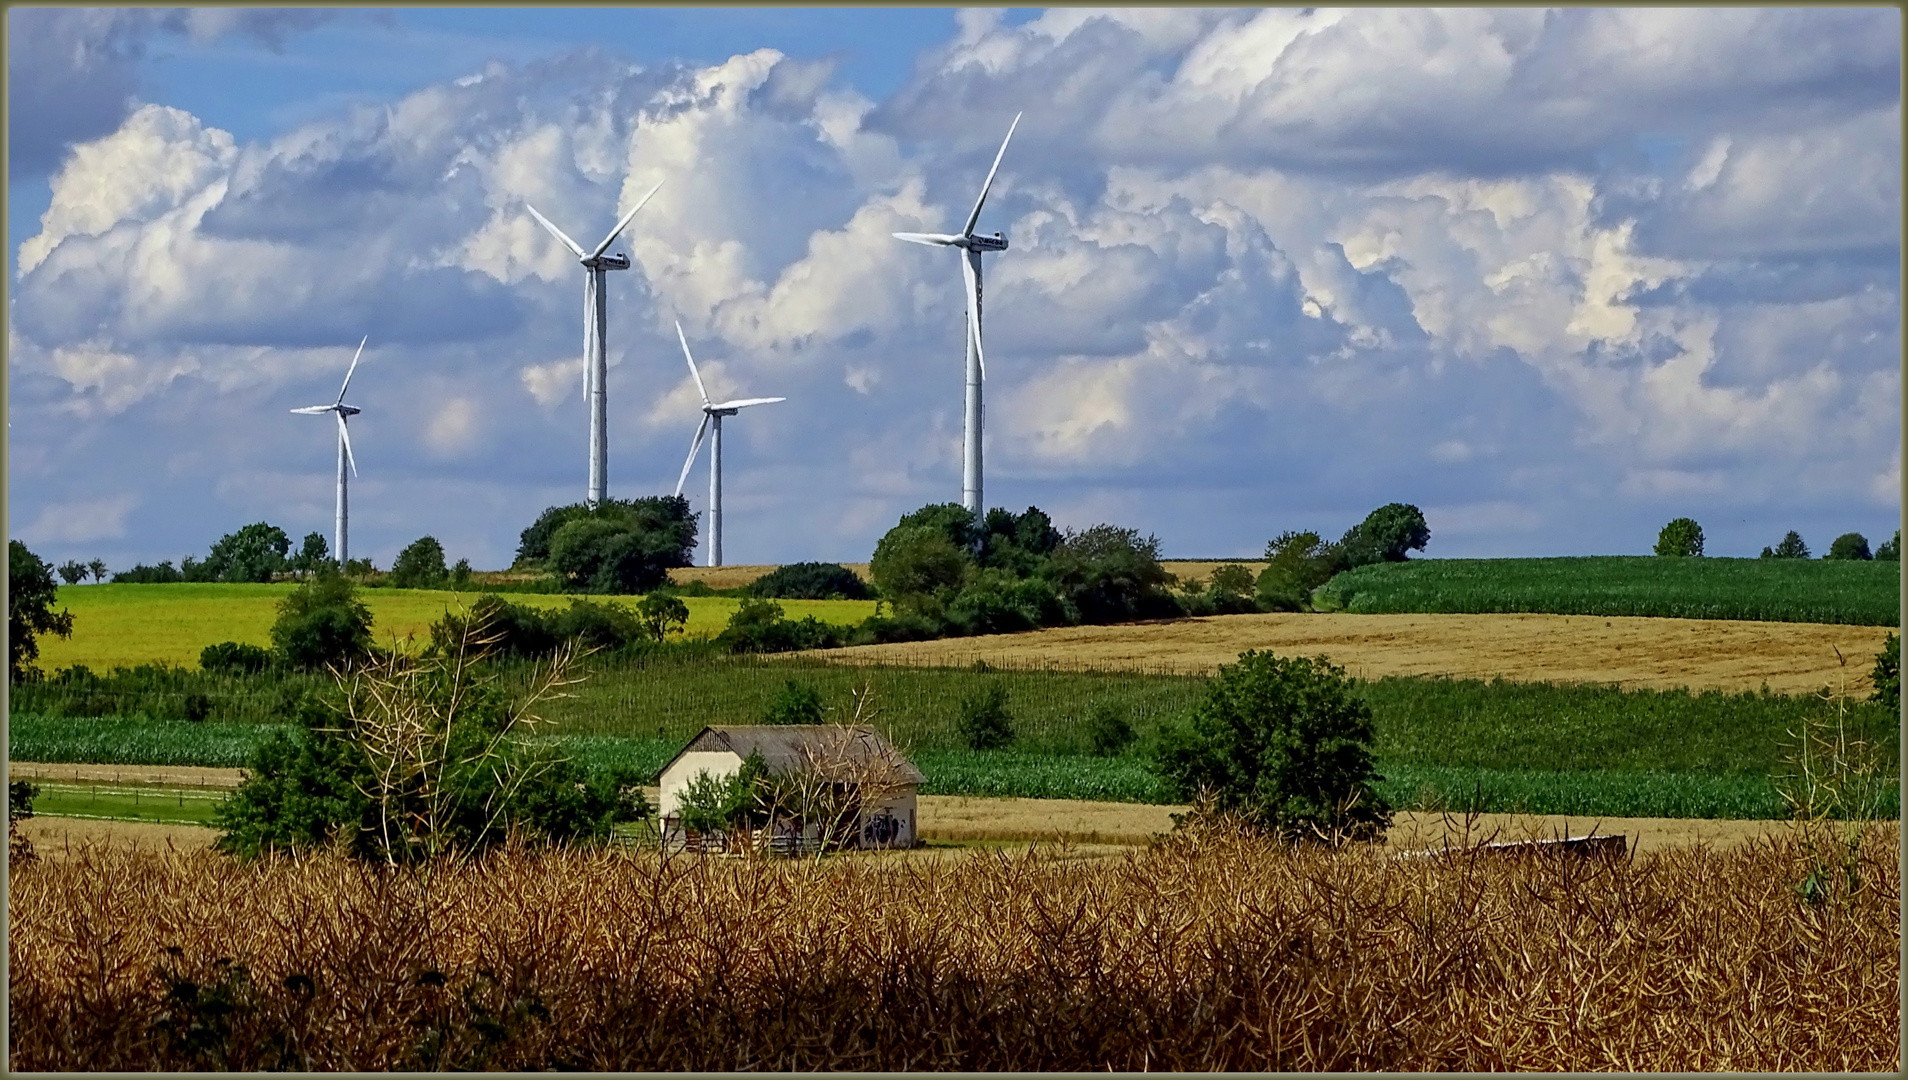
845	781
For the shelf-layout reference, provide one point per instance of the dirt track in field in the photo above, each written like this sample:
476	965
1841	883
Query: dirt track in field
1094	828
1700	654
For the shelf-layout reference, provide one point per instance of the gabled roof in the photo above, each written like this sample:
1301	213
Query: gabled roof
788	747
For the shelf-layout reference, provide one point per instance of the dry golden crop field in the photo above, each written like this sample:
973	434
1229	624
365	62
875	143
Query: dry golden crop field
1631	652
1213	951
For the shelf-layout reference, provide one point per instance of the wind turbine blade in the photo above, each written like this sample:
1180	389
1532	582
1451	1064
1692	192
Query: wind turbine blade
700	389
344	434
316	410
744	403
554	231
607	240
975	216
352	368
694	445
931	239
973	308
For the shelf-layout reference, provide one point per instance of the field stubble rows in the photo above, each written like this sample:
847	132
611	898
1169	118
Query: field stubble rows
1699	654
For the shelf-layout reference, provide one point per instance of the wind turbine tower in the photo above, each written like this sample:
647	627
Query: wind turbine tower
341	410
712	414
595	338
971	246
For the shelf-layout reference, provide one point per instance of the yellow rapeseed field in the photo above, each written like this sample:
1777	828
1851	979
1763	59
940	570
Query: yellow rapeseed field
124	625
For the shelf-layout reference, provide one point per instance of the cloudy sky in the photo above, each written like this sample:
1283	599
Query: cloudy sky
1553	276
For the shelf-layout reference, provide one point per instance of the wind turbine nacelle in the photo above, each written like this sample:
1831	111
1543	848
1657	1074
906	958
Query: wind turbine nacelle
996	242
618	261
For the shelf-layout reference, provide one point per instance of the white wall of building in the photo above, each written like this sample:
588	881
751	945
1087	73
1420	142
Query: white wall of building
720	764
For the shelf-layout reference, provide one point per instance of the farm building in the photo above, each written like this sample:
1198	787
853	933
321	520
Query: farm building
846	785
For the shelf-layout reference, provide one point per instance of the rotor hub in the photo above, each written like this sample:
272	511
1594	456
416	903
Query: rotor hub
617	261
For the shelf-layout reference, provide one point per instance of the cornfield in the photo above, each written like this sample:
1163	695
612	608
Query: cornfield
1208	951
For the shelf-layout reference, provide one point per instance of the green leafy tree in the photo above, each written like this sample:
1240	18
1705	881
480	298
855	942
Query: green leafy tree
1681	537
31	592
597	627
1890	550
660	615
984	722
710	803
996	602
1386	535
795	703
507	630
98	569
420	565
624	546
313	555
1016	543
1284	743
71	572
1887	675
1791	547
1849	546
758	627
460	574
917	566
322	624
254	553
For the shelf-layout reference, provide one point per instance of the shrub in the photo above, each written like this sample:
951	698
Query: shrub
1285	744
1681	537
984	722
709	803
507	629
796	703
758	627
31	591
1890	550
322	624
1109	574
411	759
1887	675
420	565
234	658
163	574
810	581
597	626
1849	546
995	602
1108	731
1296	564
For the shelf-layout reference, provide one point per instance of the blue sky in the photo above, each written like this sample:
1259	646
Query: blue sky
1555	277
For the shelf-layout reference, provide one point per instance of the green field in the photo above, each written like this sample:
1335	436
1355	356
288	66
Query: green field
1440	742
171	805
127	625
1767	590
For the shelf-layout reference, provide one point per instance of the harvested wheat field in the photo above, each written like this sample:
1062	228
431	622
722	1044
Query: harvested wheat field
1660	654
1214	951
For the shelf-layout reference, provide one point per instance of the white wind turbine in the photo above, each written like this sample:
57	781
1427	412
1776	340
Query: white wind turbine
971	247
595	333
341	410
712	414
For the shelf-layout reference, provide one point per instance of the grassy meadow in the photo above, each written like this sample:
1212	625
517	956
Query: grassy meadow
127	625
1209	951
1764	590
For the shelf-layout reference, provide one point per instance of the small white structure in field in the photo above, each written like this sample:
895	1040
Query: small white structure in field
848	783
